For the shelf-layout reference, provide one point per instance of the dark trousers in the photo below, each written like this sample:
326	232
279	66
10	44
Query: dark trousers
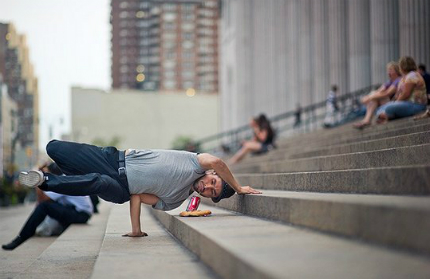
89	170
65	215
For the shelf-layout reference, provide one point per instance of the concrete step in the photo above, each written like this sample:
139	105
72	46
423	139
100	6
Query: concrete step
304	147
409	180
357	136
348	130
14	262
238	246
361	146
399	221
74	252
411	155
371	145
156	256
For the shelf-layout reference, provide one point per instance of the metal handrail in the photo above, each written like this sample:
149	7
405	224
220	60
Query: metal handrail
230	138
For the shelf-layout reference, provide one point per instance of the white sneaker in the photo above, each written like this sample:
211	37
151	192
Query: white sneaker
31	179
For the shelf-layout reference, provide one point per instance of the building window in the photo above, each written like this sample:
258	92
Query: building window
123	5
169	44
187	44
188	35
169	74
169	84
169	7
144	5
188	74
170	55
142	23
188	7
123	14
169	26
188	65
169	16
188	84
188	26
210	4
188	16
169	36
187	55
169	64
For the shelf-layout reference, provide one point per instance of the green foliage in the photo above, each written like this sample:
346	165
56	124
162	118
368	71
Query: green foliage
11	193
115	141
186	143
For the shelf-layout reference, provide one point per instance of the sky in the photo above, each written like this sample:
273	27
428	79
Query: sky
69	44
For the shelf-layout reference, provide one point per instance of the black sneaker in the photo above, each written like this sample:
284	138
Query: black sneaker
31	179
12	245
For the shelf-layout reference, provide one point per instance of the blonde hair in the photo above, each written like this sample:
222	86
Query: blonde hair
407	64
395	66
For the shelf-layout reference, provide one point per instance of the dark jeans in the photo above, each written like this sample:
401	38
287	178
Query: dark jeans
65	215
89	170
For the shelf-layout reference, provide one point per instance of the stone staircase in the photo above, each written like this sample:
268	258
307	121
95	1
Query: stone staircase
336	203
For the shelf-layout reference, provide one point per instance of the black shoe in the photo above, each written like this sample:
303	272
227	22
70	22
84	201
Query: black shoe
12	245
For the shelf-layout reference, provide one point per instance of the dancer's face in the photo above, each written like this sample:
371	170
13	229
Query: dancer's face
209	185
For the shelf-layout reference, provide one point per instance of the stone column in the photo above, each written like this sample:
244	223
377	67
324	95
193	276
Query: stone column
304	53
415	30
338	45
384	37
280	58
320	50
358	44
291	53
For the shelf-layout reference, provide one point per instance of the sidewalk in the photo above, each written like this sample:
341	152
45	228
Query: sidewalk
13	262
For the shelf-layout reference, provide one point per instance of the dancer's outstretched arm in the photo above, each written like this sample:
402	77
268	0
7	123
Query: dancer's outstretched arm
135	202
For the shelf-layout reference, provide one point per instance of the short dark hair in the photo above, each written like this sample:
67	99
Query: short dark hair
422	67
334	87
226	192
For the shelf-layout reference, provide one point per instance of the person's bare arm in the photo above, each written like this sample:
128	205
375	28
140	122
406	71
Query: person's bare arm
384	93
208	161
407	91
135	201
261	135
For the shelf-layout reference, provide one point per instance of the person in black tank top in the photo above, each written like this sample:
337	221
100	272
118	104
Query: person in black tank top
262	141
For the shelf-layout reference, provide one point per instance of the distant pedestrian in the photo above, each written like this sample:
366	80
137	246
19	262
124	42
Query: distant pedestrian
331	108
426	77
298	115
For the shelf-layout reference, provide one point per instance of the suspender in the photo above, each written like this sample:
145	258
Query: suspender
121	164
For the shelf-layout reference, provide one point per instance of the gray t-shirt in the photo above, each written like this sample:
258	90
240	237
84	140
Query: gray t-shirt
167	174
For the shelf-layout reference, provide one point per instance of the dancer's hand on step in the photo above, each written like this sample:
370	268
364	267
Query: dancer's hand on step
135	234
248	190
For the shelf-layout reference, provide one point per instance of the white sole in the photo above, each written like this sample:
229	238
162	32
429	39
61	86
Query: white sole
31	179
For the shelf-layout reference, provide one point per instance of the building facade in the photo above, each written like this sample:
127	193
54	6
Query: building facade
165	45
8	127
276	54
142	121
17	75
